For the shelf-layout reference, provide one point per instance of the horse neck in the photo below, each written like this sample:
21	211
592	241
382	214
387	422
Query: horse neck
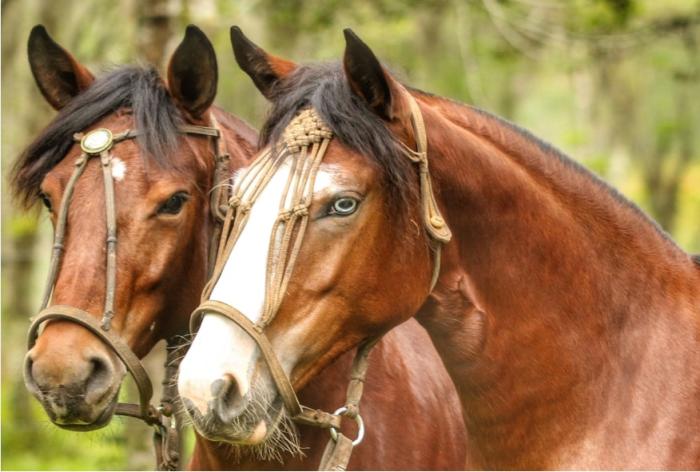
557	299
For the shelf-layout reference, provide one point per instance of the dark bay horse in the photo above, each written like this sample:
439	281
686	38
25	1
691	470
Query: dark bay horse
162	185
569	322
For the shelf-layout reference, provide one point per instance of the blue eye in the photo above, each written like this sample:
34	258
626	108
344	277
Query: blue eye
344	206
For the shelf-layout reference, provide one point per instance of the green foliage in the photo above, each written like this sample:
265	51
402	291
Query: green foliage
36	444
613	83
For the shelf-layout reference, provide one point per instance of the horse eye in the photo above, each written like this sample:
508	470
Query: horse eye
46	201
344	206
174	204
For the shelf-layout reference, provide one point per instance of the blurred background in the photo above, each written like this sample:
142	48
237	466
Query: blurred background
615	84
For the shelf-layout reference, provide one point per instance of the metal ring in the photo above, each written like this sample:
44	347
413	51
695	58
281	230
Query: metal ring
360	427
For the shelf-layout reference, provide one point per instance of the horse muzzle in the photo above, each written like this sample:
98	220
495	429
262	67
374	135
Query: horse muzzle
78	394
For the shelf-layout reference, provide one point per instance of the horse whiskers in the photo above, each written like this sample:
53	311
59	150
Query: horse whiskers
281	441
175	361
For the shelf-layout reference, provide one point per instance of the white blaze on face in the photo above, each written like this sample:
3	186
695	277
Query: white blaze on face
118	169
221	347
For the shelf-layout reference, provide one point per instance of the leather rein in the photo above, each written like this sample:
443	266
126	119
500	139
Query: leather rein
98	144
305	142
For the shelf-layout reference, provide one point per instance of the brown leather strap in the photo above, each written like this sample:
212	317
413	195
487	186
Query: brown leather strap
212	131
318	418
111	241
358	374
337	454
60	232
167	433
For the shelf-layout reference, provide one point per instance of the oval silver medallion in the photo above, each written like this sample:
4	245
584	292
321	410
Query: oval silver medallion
96	141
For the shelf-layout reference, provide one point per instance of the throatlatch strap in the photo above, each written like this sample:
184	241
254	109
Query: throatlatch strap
434	222
432	218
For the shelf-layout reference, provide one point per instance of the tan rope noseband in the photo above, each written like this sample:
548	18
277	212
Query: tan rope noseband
98	144
304	145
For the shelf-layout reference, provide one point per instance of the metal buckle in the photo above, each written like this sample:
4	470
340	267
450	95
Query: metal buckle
360	427
96	141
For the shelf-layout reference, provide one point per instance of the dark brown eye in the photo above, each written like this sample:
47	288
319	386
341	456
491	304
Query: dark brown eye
46	201
174	204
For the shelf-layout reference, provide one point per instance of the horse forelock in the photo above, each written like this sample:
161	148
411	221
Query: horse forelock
141	90
325	88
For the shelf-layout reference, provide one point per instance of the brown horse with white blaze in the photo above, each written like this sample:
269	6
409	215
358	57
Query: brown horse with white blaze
569	322
162	182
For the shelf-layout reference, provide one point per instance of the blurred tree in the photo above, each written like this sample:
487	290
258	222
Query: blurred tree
612	82
154	30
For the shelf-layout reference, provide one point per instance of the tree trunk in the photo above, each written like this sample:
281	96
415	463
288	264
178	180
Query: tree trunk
154	30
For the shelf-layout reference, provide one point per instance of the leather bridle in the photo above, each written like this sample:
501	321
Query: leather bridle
98	144
303	147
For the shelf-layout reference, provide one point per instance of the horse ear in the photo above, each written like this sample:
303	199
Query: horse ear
59	76
265	69
367	77
193	73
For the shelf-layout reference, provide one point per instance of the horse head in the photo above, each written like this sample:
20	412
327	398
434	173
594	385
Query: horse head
142	202
338	169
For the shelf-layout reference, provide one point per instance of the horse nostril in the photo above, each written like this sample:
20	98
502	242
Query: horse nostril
29	379
227	396
99	377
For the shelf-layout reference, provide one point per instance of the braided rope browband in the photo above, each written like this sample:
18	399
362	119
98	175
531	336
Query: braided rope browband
98	144
305	142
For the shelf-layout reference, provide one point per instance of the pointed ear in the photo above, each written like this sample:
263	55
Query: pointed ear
367	77
265	69
58	74
193	73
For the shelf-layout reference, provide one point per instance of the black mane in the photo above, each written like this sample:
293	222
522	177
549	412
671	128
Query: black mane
325	88
140	89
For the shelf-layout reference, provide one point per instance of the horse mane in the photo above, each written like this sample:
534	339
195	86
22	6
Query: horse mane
139	89
325	88
549	152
